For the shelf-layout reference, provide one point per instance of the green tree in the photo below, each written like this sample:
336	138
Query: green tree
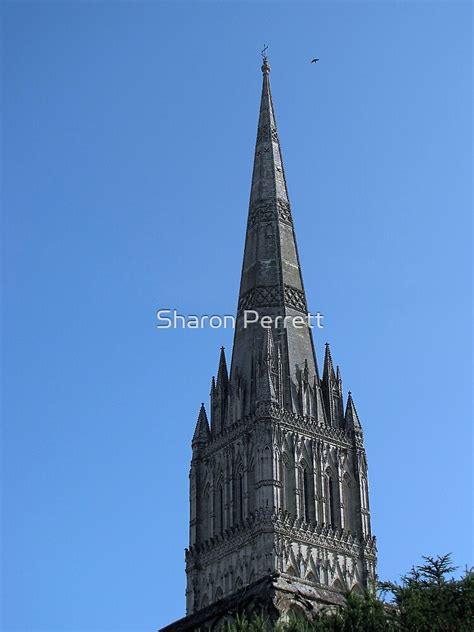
427	599
258	623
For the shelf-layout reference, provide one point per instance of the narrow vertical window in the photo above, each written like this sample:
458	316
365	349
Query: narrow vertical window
288	487
348	509
241	498
205	515
221	509
332	512
306	495
251	489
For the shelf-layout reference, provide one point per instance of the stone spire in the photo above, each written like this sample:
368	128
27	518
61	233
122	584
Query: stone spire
202	432
329	376
352	418
222	377
271	282
332	391
279	507
219	395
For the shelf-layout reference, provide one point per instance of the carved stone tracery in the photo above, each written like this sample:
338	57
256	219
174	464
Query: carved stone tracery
272	296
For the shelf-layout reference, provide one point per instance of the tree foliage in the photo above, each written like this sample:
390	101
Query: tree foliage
427	599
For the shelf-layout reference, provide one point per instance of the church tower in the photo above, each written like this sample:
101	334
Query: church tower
279	505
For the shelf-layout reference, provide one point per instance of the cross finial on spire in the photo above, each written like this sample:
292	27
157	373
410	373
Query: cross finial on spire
265	65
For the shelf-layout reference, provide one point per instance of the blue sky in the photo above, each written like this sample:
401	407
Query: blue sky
128	134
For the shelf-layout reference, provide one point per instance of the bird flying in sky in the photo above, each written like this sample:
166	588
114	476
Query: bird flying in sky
313	61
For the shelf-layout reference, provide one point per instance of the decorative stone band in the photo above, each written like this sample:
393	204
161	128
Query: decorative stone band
270	296
289	421
267	210
282	523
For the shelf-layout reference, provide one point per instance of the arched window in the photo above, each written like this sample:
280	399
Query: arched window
239	495
219	508
338	585
288	486
365	494
349	518
331	501
205	514
266	464
306	496
251	488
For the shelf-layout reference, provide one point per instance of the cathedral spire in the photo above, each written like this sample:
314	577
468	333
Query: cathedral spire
281	467
271	282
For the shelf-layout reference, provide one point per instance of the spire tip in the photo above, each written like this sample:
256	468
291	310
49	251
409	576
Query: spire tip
265	65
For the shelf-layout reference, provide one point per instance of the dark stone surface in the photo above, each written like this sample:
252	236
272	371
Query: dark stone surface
272	596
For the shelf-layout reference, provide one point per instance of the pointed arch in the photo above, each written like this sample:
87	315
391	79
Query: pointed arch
265	469
348	500
251	500
205	513
364	493
305	453
356	589
308	509
238	493
338	585
289	492
332	499
219	504
293	567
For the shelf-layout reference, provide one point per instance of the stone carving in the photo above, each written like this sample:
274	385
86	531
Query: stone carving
295	298
271	295
267	210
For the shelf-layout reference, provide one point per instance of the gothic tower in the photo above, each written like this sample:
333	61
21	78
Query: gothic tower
278	483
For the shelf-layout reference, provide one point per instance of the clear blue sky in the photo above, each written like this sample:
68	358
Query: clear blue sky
129	131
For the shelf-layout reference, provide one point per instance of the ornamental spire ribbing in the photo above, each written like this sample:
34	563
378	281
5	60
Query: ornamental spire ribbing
271	281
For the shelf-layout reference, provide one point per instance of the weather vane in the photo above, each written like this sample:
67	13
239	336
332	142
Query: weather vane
264	51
